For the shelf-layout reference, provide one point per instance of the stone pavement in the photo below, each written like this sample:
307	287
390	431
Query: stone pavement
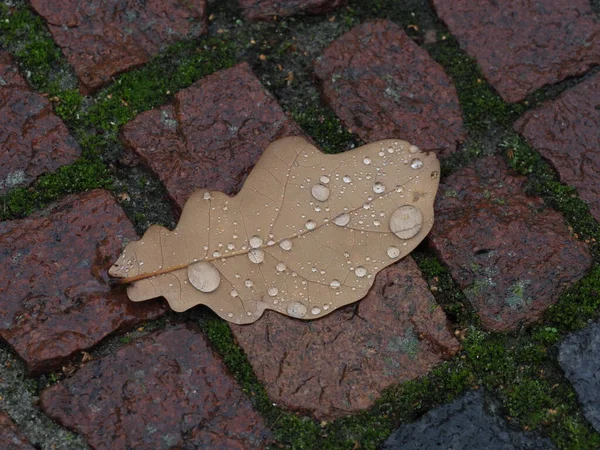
123	375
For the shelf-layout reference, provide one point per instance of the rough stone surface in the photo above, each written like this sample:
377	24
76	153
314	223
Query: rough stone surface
211	136
56	298
383	85
33	140
523	45
565	131
102	38
165	391
339	364
510	254
468	423
579	357
10	436
266	9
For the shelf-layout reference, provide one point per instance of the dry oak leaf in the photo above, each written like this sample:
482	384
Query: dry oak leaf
307	233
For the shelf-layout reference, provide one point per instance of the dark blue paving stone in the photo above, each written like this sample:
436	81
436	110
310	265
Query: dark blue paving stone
468	423
579	357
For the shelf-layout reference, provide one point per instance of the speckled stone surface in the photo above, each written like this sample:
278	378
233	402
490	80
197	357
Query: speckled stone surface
211	136
102	38
524	45
566	132
10	436
167	390
266	9
511	255
383	85
56	298
579	357
341	363
33	140
470	422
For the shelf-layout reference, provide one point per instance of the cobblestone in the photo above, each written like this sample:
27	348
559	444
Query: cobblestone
267	9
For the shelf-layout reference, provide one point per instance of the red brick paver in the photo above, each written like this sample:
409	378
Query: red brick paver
32	139
340	364
168	390
523	45
383	85
56	298
211	136
10	436
266	9
567	132
510	254
102	38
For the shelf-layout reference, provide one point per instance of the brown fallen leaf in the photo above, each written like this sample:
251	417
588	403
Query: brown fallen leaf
307	233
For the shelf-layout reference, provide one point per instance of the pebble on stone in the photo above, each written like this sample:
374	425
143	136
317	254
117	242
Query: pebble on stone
522	46
341	363
211	136
579	357
33	140
268	9
167	390
382	84
56	297
565	131
468	423
11	437
101	39
511	255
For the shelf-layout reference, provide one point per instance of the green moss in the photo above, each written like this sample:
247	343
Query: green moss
326	129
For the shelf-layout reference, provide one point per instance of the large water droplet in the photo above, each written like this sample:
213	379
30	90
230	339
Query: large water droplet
324	179
342	220
273	291
360	272
286	245
406	222
256	256
255	242
297	310
393	252
280	267
335	284
416	164
310	225
378	188
204	276
320	192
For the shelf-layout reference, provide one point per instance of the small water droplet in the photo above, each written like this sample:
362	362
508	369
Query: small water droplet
207	196
297	310
378	188
286	245
324	179
367	161
280	267
416	164
342	220
204	276
248	283
230	246
229	314
360	272
347	179
406	222
434	175
413	149
217	254
256	256
310	225
234	293
335	284
393	252
273	291
314	311
255	242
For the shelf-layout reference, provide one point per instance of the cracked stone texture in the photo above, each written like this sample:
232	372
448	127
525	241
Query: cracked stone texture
266	9
33	140
565	131
579	357
10	436
211	136
341	363
524	45
167	390
382	85
102	38
468	423
510	254
56	297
